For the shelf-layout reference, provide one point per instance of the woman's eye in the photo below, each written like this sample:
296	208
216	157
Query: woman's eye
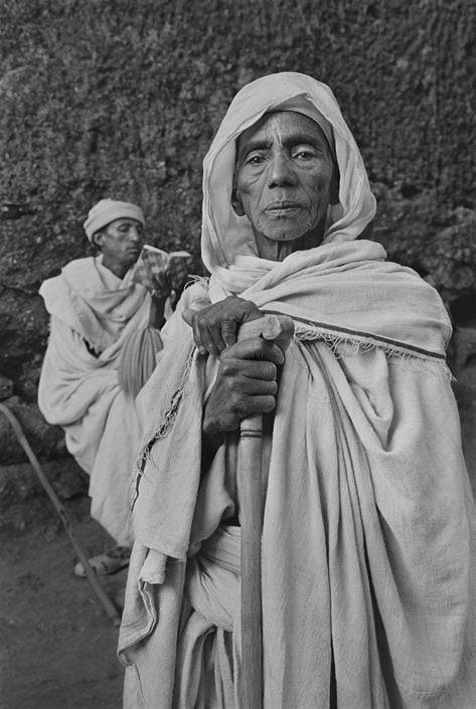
254	159
304	154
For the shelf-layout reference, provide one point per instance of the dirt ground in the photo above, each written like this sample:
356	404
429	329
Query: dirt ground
58	647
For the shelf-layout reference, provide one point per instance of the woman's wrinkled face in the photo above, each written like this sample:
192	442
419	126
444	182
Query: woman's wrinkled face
283	177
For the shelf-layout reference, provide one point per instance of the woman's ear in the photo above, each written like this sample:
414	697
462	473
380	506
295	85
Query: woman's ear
236	204
334	186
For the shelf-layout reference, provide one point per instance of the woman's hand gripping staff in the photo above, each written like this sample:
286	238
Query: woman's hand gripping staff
251	348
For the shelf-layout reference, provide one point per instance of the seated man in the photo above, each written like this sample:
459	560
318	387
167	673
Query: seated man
95	308
368	533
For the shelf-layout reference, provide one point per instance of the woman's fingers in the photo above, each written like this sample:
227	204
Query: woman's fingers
216	327
229	331
255	348
258	404
250	369
246	384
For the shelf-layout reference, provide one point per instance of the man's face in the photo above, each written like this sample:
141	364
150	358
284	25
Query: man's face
121	241
283	176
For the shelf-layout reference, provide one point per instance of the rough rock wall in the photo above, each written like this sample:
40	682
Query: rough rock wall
119	98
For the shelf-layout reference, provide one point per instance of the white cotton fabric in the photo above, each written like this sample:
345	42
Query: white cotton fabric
368	545
80	392
365	475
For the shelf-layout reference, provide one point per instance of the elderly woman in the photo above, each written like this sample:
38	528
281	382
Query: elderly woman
95	307
368	538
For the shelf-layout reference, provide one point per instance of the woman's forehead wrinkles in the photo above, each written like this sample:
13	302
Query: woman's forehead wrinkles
285	128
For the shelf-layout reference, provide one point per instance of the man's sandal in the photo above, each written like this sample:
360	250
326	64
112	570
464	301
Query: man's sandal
107	563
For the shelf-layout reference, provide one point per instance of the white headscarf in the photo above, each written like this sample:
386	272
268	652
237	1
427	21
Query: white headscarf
228	244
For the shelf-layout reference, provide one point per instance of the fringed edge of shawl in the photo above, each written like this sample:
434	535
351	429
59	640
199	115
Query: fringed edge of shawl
167	419
167	416
345	343
342	342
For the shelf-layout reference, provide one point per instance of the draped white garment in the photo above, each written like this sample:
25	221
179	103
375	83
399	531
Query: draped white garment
368	531
80	392
368	545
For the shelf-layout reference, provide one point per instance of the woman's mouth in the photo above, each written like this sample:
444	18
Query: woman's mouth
282	208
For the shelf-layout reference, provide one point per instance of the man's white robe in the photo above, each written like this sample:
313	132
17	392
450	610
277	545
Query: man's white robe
92	314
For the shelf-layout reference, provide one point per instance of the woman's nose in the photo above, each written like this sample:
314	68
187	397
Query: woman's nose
280	171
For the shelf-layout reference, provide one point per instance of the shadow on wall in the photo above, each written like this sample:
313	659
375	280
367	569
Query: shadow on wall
463	344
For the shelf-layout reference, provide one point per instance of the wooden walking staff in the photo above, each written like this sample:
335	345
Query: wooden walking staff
279	329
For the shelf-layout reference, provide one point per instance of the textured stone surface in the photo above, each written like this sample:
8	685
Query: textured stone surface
19	483
110	98
6	388
46	441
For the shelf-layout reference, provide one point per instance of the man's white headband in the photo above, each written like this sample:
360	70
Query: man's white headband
106	211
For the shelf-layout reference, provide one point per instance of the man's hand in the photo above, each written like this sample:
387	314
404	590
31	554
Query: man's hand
215	327
245	385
